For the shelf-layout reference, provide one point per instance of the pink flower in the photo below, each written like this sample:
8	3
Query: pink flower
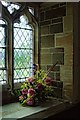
24	92
31	92
21	97
30	80
30	101
48	81
40	86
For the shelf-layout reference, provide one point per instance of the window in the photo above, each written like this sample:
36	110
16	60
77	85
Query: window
23	49
11	7
17	44
2	51
31	10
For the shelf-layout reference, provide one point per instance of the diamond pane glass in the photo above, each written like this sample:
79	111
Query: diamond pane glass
22	58
2	57
2	53
2	36
21	73
2	76
23	50
23	38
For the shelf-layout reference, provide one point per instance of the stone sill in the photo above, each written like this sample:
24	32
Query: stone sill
48	108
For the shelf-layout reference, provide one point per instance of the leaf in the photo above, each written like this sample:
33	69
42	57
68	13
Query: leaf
24	102
17	92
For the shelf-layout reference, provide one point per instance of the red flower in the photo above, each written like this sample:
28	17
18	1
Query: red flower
48	81
31	92
30	80
30	101
39	86
24	91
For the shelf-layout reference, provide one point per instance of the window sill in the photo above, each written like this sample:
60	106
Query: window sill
48	108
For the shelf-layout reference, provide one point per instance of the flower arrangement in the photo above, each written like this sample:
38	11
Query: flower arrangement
36	89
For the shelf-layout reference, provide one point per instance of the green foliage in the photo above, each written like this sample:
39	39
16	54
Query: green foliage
40	75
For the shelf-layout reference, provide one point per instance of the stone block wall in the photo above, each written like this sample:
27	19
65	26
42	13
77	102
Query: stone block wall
56	25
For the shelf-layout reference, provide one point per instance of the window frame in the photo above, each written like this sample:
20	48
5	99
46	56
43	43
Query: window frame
7	89
5	47
18	84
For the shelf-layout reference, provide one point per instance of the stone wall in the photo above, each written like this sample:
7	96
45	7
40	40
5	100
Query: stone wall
56	24
76	53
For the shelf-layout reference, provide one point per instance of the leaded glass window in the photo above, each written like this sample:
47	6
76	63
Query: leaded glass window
31	10
2	51
11	7
23	49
